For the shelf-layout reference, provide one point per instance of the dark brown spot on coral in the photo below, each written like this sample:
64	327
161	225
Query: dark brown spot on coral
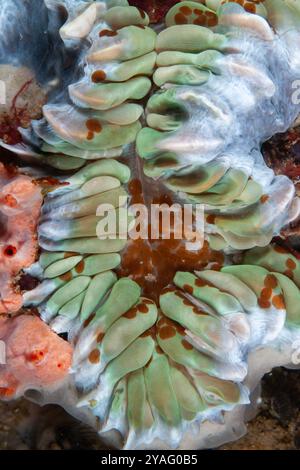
89	320
93	125
180	19
218	257
266	293
200	283
100	337
69	254
289	273
98	76
180	329
185	10
198	311
187	303
148	363
150	332
216	267
167	290
200	21
131	313
264	198
180	294
210	219
80	267
142	308
108	33
161	322
146	333
250	7
278	302
212	21
189	289
210	14
186	345
264	303
280	249
270	281
167	332
290	263
66	276
94	356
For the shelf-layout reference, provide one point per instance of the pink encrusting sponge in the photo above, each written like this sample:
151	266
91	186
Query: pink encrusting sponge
20	203
35	357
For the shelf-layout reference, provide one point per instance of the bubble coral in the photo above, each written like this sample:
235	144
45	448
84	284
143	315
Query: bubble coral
172	367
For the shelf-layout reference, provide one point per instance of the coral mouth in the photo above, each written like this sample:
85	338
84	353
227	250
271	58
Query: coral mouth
145	260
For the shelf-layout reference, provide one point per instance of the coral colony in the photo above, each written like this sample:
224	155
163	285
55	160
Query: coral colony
155	344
